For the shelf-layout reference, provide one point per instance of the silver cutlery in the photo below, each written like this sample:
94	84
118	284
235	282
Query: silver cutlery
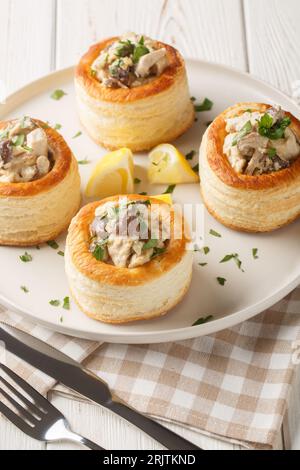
72	374
36	417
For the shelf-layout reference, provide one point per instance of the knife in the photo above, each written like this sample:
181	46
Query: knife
72	374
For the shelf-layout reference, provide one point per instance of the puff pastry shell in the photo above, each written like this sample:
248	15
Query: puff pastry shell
260	203
119	295
37	211
138	118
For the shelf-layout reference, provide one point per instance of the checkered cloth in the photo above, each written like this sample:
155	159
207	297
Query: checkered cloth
234	385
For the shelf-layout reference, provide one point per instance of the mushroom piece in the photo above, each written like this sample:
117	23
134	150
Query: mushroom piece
37	141
43	165
147	61
28	173
252	142
287	148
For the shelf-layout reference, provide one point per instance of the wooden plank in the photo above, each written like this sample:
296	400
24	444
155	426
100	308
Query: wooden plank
210	29
114	433
274	41
26	38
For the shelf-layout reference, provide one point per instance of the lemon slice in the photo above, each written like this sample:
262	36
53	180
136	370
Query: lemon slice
167	198
112	175
169	166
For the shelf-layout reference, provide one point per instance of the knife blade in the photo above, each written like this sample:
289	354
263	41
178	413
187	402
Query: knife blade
72	374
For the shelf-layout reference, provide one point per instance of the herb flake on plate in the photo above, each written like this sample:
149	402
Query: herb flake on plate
255	253
235	258
53	244
215	234
55	303
222	281
26	258
25	289
202	264
137	181
60	253
190	155
170	189
206	105
203	320
58	94
196	168
85	161
78	134
66	304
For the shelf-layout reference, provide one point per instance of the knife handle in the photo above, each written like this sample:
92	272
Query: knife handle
164	436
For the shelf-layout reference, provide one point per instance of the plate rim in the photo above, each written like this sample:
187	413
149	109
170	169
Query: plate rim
32	89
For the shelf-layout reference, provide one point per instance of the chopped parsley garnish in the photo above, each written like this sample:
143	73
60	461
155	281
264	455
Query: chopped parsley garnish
190	155
78	134
235	257
53	244
202	264
196	168
125	48
66	304
193	99
221	281
18	140
267	128
55	303
143	193
99	253
25	289
139	51
206	105
246	129
85	161
255	253
57	126
26	258
215	234
137	181
203	320
158	251
272	153
150	244
58	95
60	253
170	189
209	123
206	250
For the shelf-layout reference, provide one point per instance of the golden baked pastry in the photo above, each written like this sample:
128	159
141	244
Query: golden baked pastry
116	277
133	92
39	183
250	167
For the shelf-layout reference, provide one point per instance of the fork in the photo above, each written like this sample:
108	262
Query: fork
37	417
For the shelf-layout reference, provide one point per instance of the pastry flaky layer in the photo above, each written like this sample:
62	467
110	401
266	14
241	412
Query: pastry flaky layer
259	203
138	118
37	211
119	295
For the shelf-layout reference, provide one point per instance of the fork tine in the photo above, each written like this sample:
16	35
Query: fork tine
16	420
19	407
29	404
36	396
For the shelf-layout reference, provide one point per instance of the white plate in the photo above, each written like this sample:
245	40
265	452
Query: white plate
264	282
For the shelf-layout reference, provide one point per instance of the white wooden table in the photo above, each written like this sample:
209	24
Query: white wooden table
36	37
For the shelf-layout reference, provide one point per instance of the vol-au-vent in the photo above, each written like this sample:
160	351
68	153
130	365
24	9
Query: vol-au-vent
122	250
39	183
250	167
132	91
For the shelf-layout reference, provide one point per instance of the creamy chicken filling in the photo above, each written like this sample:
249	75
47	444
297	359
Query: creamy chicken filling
121	235
24	152
260	143
130	62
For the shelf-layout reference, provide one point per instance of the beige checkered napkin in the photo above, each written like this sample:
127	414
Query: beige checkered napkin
234	384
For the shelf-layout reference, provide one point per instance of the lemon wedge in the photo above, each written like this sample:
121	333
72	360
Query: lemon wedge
112	175
167	198
169	166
